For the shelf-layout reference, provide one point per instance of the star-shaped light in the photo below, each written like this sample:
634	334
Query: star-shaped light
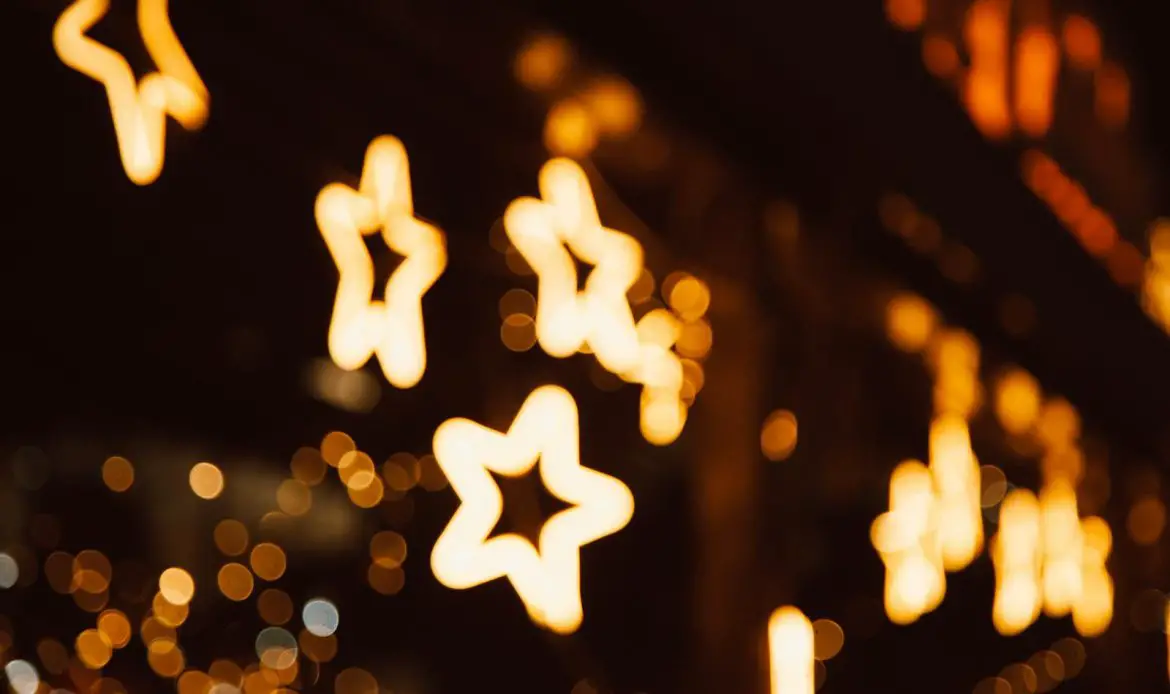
139	111
548	233
547	579
391	328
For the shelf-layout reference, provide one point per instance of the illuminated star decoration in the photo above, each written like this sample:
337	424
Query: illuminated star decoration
139	111
548	233
361	326
547	579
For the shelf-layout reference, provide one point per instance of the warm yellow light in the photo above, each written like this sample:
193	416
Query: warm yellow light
907	540
547	579
570	129
176	586
1063	543
957	485
790	652
1093	610
541	64
118	473
94	649
116	628
139	110
549	233
206	480
1017	401
393	327
778	435
1015	552
910	322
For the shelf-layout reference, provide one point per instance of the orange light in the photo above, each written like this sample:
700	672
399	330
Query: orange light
907	15
1082	42
940	56
1037	63
986	32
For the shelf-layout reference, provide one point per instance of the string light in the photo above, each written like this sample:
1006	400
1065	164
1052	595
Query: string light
139	110
546	578
393	327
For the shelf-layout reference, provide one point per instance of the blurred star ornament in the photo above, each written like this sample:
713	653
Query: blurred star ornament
549	234
139	110
546	578
393	327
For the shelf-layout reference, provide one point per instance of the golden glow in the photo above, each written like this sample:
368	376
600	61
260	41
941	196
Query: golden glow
614	104
139	110
542	63
957	486
549	233
235	582
1062	542
1037	65
117	473
231	537
94	649
391	328
907	541
1093	610
206	480
548	579
169	614
1015	552
778	436
570	129
790	652
910	322
986	32
1082	42
1017	401
268	561
176	586
663	413
116	628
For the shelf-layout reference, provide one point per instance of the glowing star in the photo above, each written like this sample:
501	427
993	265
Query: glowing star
547	579
139	111
393	328
548	233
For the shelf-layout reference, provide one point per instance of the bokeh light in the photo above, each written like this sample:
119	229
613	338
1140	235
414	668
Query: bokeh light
268	561
176	586
118	473
320	617
206	480
235	582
